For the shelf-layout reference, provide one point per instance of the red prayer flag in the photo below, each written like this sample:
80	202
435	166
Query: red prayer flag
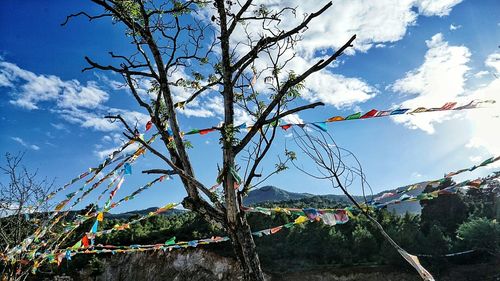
286	127
149	125
276	229
85	241
448	106
370	114
206	131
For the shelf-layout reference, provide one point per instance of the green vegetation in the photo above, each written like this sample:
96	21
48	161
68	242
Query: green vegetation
448	224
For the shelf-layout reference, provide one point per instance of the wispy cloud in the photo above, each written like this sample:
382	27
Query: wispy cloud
25	144
455	27
29	90
440	79
60	126
77	103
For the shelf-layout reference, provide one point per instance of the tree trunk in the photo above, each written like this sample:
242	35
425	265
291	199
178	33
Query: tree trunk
245	250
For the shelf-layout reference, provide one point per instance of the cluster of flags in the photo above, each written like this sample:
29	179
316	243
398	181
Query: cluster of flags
32	244
374	113
475	183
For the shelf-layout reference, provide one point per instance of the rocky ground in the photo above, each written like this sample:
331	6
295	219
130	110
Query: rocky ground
197	265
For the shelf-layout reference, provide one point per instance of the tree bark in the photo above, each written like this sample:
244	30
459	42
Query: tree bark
236	223
245	250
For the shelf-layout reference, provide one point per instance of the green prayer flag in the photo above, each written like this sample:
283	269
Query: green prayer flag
77	245
170	241
193	132
487	161
356	115
235	175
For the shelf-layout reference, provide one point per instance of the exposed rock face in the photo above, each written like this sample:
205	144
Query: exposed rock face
199	264
183	265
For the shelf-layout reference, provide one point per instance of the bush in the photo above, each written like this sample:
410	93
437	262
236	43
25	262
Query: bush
480	234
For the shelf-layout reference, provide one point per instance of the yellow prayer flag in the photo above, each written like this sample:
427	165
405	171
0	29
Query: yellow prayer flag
301	219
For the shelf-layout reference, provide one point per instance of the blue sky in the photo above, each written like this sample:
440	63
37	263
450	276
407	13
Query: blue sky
410	53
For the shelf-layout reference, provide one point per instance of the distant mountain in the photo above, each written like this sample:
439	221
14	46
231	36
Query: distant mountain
143	212
272	194
275	194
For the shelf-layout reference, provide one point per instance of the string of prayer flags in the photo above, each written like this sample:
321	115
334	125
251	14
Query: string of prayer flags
411	187
42	230
381	113
329	216
127	225
373	113
477	184
53	218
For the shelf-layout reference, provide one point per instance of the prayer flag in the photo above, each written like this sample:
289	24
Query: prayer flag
356	115
149	125
320	125
335	118
170	241
399	111
369	114
127	168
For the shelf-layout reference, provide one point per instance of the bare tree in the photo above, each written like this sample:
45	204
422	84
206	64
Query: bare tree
342	169
23	206
223	48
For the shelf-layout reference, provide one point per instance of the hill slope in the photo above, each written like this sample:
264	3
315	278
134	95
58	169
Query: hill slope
272	194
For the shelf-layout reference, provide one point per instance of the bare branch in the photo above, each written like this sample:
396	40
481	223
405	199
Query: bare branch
86	15
290	83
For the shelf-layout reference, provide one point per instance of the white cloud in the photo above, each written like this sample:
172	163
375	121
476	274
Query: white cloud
493	61
377	23
454	27
440	79
380	21
293	119
106	152
25	144
436	7
59	126
87	119
475	159
29	90
485	121
113	84
337	90
416	175
76	103
481	74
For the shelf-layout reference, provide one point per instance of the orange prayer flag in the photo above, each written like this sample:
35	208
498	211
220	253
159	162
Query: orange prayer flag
334	119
